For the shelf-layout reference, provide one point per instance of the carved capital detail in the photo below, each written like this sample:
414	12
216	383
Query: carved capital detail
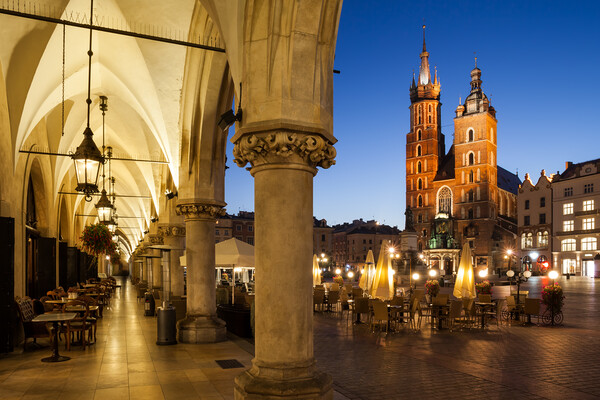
284	147
156	239
200	211
171	230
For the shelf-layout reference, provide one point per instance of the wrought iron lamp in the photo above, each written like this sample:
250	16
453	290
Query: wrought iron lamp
87	156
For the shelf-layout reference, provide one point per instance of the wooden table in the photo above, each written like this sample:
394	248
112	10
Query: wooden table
61	301
484	307
55	318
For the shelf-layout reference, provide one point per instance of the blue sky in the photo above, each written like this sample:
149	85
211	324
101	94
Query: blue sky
539	62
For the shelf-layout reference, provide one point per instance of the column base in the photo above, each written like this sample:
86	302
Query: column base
283	381
201	329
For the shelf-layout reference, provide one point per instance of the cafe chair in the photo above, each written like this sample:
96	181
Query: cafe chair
333	300
380	315
34	330
455	316
93	318
318	299
361	306
532	308
415	314
79	326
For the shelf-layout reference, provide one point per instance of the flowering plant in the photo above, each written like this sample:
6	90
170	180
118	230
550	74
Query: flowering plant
483	287
338	279
553	297
97	239
432	287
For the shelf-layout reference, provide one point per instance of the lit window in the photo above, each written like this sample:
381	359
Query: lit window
568	245
588	205
568	209
568	226
523	241
568	192
589	243
542	238
588	188
529	240
588	223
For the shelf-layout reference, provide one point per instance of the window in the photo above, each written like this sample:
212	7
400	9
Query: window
420	201
470	213
419	218
589	243
527	240
430	119
419	167
250	228
364	241
567	208
470	196
322	238
238	228
471	177
418	151
419	184
568	192
568	226
542	202
250	240
226	232
542	218
542	239
216	231
588	205
370	241
420	115
568	245
445	200
424	232
471	158
470	135
527	204
523	241
419	133
588	188
588	223
526	220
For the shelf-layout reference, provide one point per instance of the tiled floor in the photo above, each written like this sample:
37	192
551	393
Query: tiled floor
510	362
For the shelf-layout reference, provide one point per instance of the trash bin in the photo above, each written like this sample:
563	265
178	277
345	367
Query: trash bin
441	280
166	329
568	276
149	304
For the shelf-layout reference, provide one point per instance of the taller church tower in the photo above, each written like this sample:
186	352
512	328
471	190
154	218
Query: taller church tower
425	145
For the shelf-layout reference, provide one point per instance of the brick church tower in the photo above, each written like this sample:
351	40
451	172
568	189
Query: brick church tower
425	144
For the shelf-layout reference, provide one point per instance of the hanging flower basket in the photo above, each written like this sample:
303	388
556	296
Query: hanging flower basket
553	297
338	279
483	287
97	239
432	287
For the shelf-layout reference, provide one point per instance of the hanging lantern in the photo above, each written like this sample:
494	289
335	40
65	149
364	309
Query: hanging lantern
87	159
104	207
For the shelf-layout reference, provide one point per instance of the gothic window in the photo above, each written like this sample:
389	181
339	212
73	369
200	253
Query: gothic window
419	218
419	167
471	158
420	119
470	176
470	198
418	151
470	213
420	201
419	134
419	184
478	175
445	200
470	135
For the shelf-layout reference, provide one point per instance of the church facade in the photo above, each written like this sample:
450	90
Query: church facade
461	195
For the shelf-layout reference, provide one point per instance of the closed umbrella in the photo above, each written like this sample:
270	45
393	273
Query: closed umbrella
465	277
383	284
316	272
366	278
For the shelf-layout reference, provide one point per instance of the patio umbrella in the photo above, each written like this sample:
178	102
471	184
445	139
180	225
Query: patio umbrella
383	284
465	277
366	278
316	272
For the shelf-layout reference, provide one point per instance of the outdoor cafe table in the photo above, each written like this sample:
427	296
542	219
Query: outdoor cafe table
55	318
484	307
61	301
438	311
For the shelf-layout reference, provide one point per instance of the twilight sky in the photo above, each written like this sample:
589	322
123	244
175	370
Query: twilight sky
539	62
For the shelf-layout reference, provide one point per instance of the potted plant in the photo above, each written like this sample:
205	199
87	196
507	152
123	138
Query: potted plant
97	239
553	297
339	280
483	287
432	287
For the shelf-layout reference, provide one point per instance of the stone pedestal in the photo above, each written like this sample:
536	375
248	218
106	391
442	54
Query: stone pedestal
201	324
284	366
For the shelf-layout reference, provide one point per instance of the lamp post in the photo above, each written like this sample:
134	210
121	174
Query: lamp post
521	277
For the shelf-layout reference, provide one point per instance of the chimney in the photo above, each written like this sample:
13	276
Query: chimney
568	164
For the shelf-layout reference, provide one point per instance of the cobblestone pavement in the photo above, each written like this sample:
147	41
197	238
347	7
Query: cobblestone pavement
506	362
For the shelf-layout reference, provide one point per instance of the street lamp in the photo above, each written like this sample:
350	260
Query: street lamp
553	275
521	277
415	277
432	273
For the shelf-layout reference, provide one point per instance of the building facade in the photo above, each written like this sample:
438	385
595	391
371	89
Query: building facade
463	195
352	242
576	216
534	208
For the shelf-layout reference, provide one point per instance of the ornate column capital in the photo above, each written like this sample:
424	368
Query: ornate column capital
171	230
284	147
156	239
200	210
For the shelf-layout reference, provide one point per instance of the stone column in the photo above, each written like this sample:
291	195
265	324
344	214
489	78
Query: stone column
174	236
201	324
283	165
156	283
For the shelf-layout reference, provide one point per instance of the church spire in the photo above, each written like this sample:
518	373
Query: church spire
424	74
